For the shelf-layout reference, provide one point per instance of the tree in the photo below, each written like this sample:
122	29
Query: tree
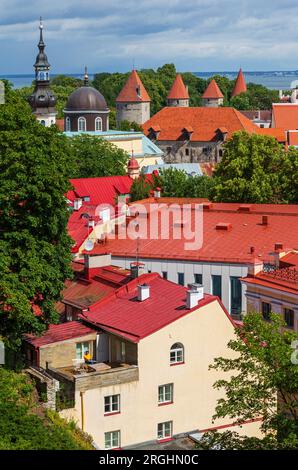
140	188
66	81
250	170
34	244
94	156
264	383
199	186
176	183
241	102
261	97
128	126
289	176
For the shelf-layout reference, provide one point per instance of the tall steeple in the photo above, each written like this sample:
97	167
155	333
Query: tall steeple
240	85
42	100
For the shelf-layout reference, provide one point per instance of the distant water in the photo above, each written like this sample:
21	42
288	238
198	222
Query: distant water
277	80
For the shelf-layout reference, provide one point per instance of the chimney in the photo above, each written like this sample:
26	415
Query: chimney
278	246
252	250
136	269
157	193
92	263
143	292
193	295
91	223
265	220
77	204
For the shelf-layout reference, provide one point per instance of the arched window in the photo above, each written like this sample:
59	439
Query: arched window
67	124
177	354
98	124
43	122
82	124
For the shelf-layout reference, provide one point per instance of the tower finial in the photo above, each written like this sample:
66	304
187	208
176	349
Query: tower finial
41	43
86	77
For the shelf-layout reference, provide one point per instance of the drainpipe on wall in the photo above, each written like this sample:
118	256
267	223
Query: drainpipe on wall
82	411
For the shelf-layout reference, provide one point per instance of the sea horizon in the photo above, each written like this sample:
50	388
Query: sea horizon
275	79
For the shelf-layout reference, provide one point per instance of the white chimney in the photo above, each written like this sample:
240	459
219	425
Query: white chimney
194	294
157	193
77	204
143	292
91	223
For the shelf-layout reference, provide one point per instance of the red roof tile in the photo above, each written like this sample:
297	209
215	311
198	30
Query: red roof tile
212	91
293	138
278	134
285	116
204	121
61	332
133	90
123	314
102	190
178	90
240	85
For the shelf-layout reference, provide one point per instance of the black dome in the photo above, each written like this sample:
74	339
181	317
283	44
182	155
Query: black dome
86	98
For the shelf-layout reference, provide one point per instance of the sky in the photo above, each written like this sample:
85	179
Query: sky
114	35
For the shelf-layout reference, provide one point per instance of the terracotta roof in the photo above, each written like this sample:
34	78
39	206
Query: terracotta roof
178	90
229	246
293	138
278	134
285	116
124	315
133	164
61	332
212	91
204	121
60	124
133	90
240	85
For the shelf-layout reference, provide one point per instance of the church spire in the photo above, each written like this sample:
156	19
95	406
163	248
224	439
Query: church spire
86	77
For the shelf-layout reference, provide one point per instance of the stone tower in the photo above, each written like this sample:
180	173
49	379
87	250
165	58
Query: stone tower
133	101
42	100
212	96
178	95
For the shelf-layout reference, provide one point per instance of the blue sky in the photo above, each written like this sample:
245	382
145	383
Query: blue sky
111	35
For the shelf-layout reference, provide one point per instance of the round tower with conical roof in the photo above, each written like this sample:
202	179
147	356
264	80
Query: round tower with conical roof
240	85
133	101
178	95
212	96
42	100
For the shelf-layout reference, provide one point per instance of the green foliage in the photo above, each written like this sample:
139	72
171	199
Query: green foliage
252	170
22	429
264	383
128	126
94	156
140	189
176	183
66	81
34	245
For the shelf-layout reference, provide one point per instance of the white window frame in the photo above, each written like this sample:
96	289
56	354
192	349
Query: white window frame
68	312
109	402
98	120
165	393
67	124
80	121
178	353
165	430
112	440
85	346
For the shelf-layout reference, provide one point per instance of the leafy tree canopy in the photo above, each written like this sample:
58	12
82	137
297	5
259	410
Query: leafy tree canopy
176	183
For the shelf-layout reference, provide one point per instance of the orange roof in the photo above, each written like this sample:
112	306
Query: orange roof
133	90
204	121
278	134
293	138
212	91
285	116
240	85
178	90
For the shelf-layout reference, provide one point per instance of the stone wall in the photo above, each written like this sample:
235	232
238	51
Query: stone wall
178	103
191	152
133	112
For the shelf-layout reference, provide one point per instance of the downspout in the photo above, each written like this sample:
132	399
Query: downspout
82	411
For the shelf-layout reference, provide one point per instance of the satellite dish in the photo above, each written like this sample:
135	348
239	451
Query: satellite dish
89	245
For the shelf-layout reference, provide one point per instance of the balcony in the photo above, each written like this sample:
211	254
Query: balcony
89	376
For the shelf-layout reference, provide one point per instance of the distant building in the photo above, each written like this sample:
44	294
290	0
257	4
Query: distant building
240	85
192	135
261	118
212	96
191	169
133	101
42	100
86	110
178	94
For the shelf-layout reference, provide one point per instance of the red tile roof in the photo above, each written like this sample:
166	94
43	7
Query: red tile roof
178	90
124	315
278	134
230	246
293	138
240	85
212	91
133	90
204	121
61	332
285	116
102	190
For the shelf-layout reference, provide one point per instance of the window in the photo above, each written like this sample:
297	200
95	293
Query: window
198	278
82	124
216	285
187	152
67	124
112	404
177	354
289	317
81	348
68	312
236	295
98	124
164	430
181	279
43	122
112	440
165	274
266	310
165	394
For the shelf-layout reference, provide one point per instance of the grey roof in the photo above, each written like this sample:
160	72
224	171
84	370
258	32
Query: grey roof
86	98
192	169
